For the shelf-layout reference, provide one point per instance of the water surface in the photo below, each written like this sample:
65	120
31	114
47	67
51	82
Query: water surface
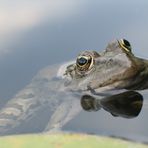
53	32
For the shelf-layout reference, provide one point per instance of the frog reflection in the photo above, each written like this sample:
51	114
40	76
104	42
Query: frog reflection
127	104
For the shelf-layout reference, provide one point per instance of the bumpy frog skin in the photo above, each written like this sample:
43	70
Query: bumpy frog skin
114	68
53	96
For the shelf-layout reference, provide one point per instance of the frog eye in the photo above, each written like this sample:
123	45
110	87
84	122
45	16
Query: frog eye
84	62
125	45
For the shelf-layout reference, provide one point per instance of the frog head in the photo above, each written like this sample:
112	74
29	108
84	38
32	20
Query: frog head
116	67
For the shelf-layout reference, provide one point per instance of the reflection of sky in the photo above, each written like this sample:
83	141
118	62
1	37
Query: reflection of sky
79	20
34	34
18	17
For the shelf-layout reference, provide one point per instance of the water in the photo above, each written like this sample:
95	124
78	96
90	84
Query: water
104	123
38	36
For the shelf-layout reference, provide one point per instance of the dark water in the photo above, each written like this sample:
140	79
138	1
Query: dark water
75	26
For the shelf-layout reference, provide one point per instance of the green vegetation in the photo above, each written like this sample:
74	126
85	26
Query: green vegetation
65	141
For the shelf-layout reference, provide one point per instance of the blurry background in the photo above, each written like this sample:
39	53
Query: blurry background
37	33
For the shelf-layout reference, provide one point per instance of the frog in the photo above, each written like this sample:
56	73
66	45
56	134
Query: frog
58	93
131	75
121	69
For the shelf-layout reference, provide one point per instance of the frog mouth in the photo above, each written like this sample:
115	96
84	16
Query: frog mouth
62	71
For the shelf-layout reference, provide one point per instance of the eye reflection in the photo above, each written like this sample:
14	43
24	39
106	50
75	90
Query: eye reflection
126	105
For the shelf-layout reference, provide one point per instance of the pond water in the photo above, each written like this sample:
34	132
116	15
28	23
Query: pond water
102	122
53	32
